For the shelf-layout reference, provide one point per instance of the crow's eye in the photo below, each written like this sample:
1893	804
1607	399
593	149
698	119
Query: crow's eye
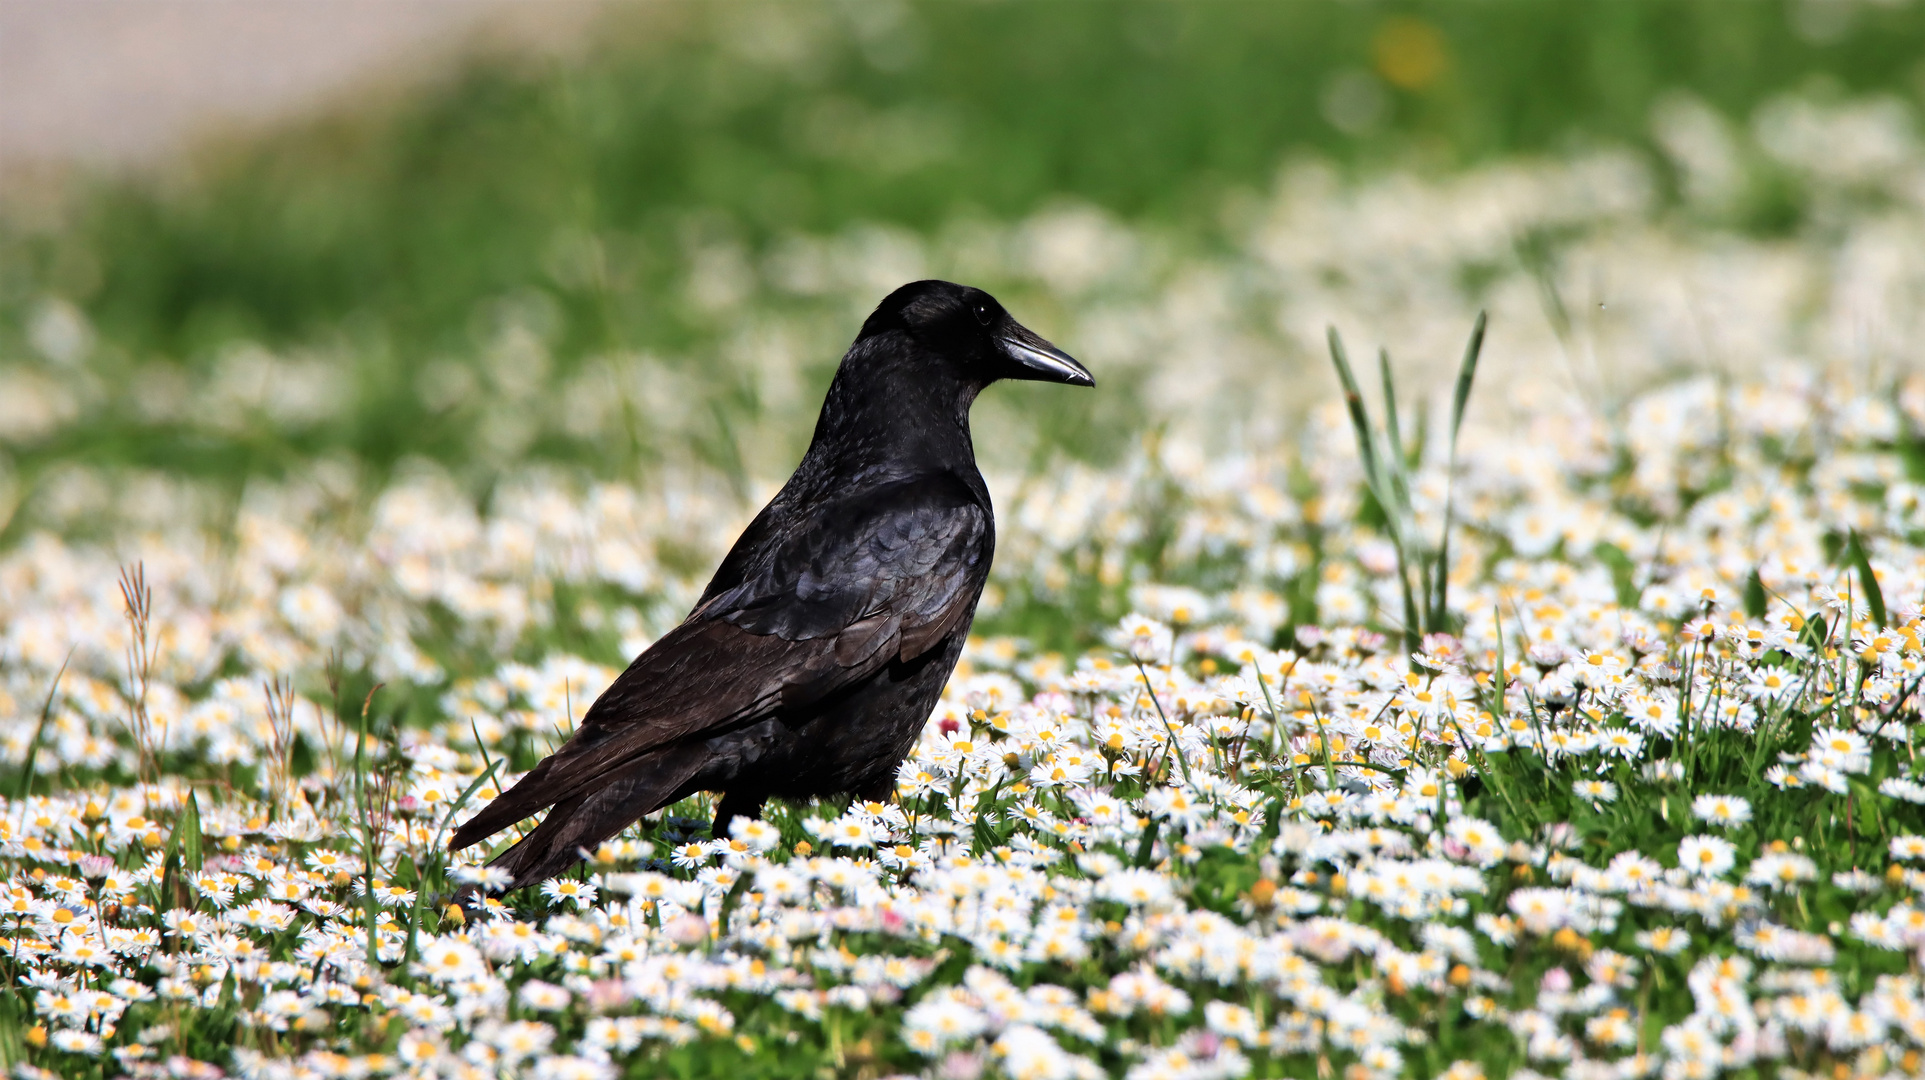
982	313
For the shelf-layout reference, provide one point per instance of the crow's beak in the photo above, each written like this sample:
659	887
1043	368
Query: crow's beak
1038	359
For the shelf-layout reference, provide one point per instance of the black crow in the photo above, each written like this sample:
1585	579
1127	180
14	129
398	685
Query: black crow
818	651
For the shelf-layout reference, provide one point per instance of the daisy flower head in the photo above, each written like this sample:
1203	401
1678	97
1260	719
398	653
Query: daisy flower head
1621	743
486	878
1665	940
447	960
1654	714
1842	749
76	1042
941	1021
1706	856
1781	870
692	854
1832	601
849	831
1722	811
759	835
1595	791
1772	683
390	895
1596	667
544	996
1480	839
568	890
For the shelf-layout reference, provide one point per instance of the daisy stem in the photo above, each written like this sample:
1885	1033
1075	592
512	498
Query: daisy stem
1181	761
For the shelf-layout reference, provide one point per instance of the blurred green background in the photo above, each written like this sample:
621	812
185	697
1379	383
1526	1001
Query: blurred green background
416	254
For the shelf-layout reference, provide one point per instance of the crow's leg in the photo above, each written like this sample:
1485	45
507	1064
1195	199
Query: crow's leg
883	790
739	802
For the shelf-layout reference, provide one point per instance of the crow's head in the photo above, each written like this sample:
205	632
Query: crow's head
967	328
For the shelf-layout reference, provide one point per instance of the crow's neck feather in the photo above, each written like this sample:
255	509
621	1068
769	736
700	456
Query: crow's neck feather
891	408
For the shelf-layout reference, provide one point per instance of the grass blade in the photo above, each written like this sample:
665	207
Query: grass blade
183	851
1391	426
1466	374
1868	581
1397	468
189	832
1410	552
39	732
1359	417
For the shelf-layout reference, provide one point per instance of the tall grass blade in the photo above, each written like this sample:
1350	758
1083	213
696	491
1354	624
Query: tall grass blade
189	831
1353	399
1391	426
1410	555
1868	581
1397	468
1466	375
183	851
25	786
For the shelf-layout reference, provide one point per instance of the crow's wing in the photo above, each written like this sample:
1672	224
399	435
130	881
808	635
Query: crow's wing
798	611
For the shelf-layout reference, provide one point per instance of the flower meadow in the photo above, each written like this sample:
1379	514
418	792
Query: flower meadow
1650	806
1632	792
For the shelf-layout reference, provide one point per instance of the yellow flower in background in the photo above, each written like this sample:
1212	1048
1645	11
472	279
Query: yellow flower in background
1409	53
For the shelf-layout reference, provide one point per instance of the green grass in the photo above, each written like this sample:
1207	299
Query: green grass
570	198
395	231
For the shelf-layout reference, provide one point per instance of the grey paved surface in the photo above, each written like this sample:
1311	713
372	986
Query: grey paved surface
117	82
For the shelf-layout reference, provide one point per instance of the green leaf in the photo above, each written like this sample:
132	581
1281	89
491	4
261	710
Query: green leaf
1353	399
33	748
986	838
1868	581
183	850
1392	427
1147	848
729	902
1466	374
462	800
188	832
1755	599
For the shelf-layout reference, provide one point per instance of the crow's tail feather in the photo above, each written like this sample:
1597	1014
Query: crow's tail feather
582	822
518	802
